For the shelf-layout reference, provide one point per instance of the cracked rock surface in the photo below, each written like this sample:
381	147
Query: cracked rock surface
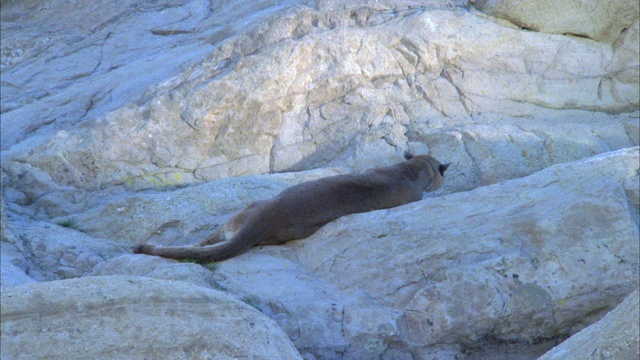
158	120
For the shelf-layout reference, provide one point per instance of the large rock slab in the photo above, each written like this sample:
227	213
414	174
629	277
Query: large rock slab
135	318
614	337
522	260
305	87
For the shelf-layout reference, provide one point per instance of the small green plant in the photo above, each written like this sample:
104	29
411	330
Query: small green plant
188	261
68	223
212	266
217	286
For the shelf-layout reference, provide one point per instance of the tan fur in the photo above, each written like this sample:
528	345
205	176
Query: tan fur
299	211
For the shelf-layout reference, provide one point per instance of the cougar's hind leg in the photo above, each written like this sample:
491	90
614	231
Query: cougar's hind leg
229	229
211	239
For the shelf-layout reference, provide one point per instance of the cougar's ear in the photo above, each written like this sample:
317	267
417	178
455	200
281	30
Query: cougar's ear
408	155
443	168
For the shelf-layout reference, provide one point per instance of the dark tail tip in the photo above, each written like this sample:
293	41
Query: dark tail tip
142	249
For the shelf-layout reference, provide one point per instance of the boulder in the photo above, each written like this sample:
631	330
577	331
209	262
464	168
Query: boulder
115	317
614	337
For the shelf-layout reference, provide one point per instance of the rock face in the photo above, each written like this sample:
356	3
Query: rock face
131	122
304	87
613	337
134	318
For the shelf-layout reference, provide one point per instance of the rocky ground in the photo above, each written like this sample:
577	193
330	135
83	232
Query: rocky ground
133	121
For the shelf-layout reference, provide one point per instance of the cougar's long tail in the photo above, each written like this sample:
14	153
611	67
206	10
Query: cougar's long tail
201	254
242	241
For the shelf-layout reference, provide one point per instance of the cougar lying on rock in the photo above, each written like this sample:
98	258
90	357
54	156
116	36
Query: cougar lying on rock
300	210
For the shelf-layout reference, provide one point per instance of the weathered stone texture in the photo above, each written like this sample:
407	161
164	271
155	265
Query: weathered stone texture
115	317
598	20
134	121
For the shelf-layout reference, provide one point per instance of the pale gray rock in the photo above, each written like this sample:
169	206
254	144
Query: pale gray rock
115	317
44	250
384	282
614	337
366	7
598	20
54	251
